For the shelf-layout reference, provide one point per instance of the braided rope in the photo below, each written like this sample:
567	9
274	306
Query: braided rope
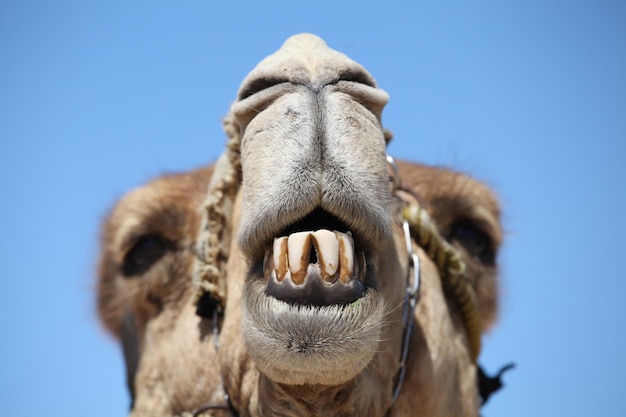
213	244
452	269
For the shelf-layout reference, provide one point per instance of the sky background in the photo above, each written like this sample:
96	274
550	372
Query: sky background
529	96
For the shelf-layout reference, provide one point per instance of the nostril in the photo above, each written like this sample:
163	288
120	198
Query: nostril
259	84
357	76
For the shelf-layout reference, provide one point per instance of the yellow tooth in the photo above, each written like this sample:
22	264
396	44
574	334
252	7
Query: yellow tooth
268	263
362	266
327	251
280	257
299	251
346	256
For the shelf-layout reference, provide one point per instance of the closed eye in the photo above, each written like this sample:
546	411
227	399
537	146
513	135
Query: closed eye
477	243
147	251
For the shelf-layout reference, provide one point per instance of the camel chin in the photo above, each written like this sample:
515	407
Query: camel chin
299	344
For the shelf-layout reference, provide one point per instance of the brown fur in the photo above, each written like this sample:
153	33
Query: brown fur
179	369
175	346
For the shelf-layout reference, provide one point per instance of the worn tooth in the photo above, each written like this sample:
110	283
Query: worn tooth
299	251
268	262
327	252
280	257
362	266
346	256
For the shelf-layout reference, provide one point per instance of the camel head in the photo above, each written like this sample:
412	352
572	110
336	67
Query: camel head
301	252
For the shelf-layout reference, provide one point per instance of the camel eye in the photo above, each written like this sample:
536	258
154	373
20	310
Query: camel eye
476	242
145	253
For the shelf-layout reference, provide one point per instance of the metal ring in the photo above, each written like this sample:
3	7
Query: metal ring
407	237
416	275
396	173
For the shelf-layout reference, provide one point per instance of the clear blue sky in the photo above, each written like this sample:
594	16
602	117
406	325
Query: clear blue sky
530	96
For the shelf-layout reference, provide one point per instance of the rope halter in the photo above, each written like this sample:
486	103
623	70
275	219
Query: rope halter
418	226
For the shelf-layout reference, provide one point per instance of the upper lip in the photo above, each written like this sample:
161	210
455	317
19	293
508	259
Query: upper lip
367	231
316	220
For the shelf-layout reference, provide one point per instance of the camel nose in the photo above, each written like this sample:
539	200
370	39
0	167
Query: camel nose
304	59
311	139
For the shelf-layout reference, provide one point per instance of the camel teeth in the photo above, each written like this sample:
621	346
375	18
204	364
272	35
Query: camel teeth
268	262
346	256
327	248
362	266
299	249
289	257
280	258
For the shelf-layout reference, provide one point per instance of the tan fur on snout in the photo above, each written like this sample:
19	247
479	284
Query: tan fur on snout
327	130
